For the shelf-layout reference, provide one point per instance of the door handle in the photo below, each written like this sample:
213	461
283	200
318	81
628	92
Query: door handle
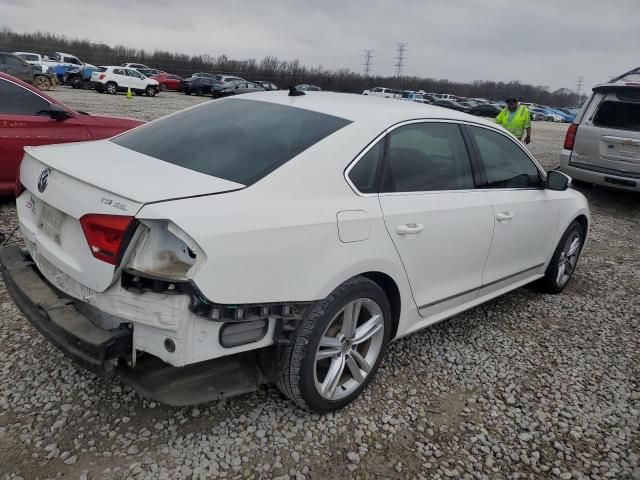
409	228
504	216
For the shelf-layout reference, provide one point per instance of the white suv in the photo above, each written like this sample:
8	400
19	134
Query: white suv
115	79
602	146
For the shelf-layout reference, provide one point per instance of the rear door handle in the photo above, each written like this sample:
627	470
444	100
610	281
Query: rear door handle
504	216
409	228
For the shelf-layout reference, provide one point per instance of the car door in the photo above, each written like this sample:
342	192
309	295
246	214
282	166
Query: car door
135	79
526	214
121	78
440	224
24	120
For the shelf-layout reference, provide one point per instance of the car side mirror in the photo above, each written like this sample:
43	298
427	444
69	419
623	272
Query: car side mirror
58	113
557	181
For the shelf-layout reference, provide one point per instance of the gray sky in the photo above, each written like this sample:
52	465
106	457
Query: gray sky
544	42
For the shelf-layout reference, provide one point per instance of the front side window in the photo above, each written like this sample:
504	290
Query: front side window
364	174
237	140
426	157
505	163
20	101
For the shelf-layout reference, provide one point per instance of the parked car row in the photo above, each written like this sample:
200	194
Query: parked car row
37	74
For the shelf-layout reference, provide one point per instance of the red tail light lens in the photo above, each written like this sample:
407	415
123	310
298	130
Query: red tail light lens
101	77
19	186
107	235
570	139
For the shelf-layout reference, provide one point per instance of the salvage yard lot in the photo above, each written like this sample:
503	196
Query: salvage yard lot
526	386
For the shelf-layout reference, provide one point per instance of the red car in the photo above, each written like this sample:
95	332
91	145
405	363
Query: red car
167	81
29	117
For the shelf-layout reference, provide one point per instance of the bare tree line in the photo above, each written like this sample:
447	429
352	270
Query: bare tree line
271	68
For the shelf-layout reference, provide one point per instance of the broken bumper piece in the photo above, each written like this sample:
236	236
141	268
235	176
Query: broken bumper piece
55	316
107	352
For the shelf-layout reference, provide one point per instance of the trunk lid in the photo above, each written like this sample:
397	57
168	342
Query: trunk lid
65	182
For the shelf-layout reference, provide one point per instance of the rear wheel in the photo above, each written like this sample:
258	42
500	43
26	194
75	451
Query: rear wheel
163	87
42	83
337	348
111	88
564	260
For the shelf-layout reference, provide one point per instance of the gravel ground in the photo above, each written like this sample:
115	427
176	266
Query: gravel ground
527	386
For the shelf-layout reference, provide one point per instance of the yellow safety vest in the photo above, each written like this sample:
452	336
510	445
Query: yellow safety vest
520	121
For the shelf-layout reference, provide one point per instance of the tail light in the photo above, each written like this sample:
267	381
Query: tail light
570	139
101	77
107	235
19	186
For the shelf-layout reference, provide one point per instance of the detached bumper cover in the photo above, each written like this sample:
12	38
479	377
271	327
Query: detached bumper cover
54	315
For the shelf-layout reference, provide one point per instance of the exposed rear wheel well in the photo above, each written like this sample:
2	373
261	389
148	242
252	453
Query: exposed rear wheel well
584	223
390	288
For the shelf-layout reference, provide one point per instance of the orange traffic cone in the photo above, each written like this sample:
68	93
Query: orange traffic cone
129	94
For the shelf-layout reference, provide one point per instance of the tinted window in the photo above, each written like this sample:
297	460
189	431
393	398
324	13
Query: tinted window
31	58
118	71
238	140
364	174
14	61
18	100
505	163
427	157
620	115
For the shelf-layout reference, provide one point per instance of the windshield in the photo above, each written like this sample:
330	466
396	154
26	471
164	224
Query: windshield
237	140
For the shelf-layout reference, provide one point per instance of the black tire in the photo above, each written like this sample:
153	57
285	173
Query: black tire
150	91
76	83
42	82
199	91
550	282
163	87
296	376
187	92
86	84
111	88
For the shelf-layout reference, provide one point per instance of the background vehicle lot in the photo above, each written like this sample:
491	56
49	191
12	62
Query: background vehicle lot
527	383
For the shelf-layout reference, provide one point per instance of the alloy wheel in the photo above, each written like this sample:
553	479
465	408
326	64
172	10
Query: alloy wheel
349	348
568	258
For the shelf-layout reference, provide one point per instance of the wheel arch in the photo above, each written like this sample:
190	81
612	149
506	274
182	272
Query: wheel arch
391	290
583	221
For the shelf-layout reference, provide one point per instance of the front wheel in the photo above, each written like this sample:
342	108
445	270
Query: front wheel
150	91
564	260
337	348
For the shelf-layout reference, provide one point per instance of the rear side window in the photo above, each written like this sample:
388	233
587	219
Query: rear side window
237	140
426	157
364	175
618	115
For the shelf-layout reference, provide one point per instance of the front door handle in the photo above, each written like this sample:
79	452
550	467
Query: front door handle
504	216
409	228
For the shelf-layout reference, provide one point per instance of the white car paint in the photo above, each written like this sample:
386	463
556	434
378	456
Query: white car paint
295	235
124	78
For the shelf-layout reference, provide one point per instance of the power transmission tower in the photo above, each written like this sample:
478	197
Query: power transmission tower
400	58
579	88
368	55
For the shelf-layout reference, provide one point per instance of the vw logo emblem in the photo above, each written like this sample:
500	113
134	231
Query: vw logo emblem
43	180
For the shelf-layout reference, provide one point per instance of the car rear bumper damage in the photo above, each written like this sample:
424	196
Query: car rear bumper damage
105	352
55	316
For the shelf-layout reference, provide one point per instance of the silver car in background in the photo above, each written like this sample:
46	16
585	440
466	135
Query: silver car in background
602	146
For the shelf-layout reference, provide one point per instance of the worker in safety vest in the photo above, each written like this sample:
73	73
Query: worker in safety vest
516	119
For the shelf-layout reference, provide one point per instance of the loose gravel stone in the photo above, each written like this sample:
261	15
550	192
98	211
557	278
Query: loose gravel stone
527	386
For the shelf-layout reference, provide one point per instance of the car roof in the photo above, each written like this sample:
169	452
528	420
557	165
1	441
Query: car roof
630	79
363	108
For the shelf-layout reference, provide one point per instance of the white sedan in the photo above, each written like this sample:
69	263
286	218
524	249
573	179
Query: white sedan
280	238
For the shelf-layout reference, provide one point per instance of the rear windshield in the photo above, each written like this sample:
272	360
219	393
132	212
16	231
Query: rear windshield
620	115
237	140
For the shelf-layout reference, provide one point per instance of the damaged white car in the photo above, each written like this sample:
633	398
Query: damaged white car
279	238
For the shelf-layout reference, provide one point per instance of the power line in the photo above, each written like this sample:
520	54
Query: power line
400	58
368	55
